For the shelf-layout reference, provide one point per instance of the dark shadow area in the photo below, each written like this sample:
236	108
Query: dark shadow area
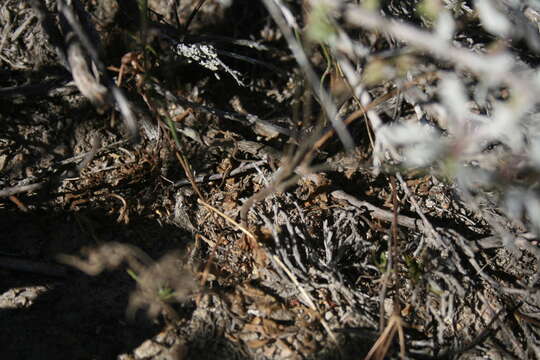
76	316
210	346
84	317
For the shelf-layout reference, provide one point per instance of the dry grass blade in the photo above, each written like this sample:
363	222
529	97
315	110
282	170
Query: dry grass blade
278	11
229	219
189	173
383	343
395	323
192	15
372	105
307	298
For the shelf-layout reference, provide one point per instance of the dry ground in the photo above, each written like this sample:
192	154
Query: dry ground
335	265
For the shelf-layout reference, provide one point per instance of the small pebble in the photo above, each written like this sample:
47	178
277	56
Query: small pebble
148	349
328	316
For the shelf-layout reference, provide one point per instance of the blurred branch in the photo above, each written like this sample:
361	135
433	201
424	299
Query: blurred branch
279	14
497	66
77	50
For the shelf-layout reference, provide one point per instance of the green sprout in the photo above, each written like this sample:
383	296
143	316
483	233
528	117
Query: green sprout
414	268
166	293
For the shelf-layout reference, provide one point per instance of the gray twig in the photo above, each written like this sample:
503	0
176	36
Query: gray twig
6	192
379	213
276	9
239	170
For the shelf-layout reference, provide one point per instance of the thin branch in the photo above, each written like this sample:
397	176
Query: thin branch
378	213
276	9
229	219
306	297
496	67
6	192
214	177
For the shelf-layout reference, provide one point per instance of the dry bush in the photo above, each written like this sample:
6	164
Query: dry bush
445	92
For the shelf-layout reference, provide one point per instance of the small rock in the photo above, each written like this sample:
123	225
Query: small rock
165	338
125	357
148	349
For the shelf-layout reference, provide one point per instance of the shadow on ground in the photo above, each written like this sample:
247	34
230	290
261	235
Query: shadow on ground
84	317
77	316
